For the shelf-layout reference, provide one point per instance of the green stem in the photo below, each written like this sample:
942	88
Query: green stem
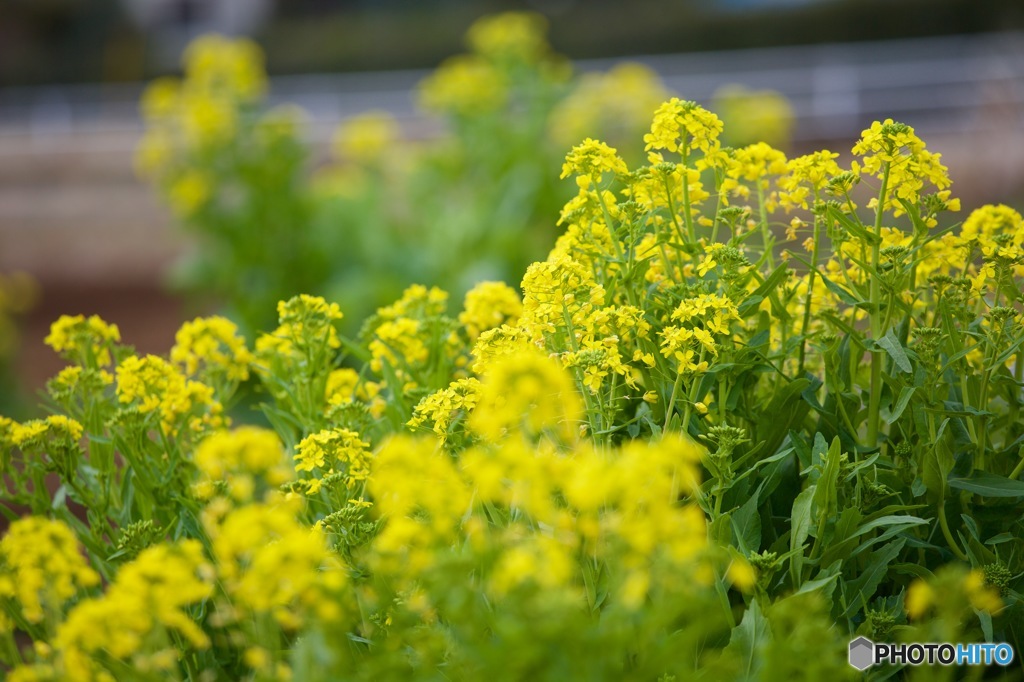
687	216
766	232
875	397
810	290
672	401
1019	468
1018	375
944	525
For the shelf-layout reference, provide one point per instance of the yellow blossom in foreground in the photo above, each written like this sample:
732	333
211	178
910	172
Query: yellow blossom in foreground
527	393
270	563
42	566
151	592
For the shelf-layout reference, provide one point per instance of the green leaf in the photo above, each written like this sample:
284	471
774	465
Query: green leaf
779	275
989	485
746	525
826	496
862	588
799	529
747	640
893	520
853	227
906	393
894	348
830	576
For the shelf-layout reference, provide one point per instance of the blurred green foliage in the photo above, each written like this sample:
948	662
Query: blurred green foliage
475	202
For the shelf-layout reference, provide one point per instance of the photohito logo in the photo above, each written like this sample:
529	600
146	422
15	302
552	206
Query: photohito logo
864	653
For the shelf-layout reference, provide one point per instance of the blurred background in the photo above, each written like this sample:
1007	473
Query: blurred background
260	174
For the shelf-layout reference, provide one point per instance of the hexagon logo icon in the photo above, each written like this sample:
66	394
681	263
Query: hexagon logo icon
862	653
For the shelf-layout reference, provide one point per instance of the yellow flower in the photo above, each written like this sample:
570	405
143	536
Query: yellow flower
890	149
86	340
512	35
190	192
920	596
214	344
239	457
443	407
231	67
161	98
337	454
682	126
464	85
44	565
365	138
147	595
154	385
741	574
270	563
590	160
489	305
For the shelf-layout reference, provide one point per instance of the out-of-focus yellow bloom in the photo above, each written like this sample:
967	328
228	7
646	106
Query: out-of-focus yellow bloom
464	86
149	593
42	566
511	35
613	105
752	116
161	98
741	574
215	63
365	138
241	458
190	192
527	393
